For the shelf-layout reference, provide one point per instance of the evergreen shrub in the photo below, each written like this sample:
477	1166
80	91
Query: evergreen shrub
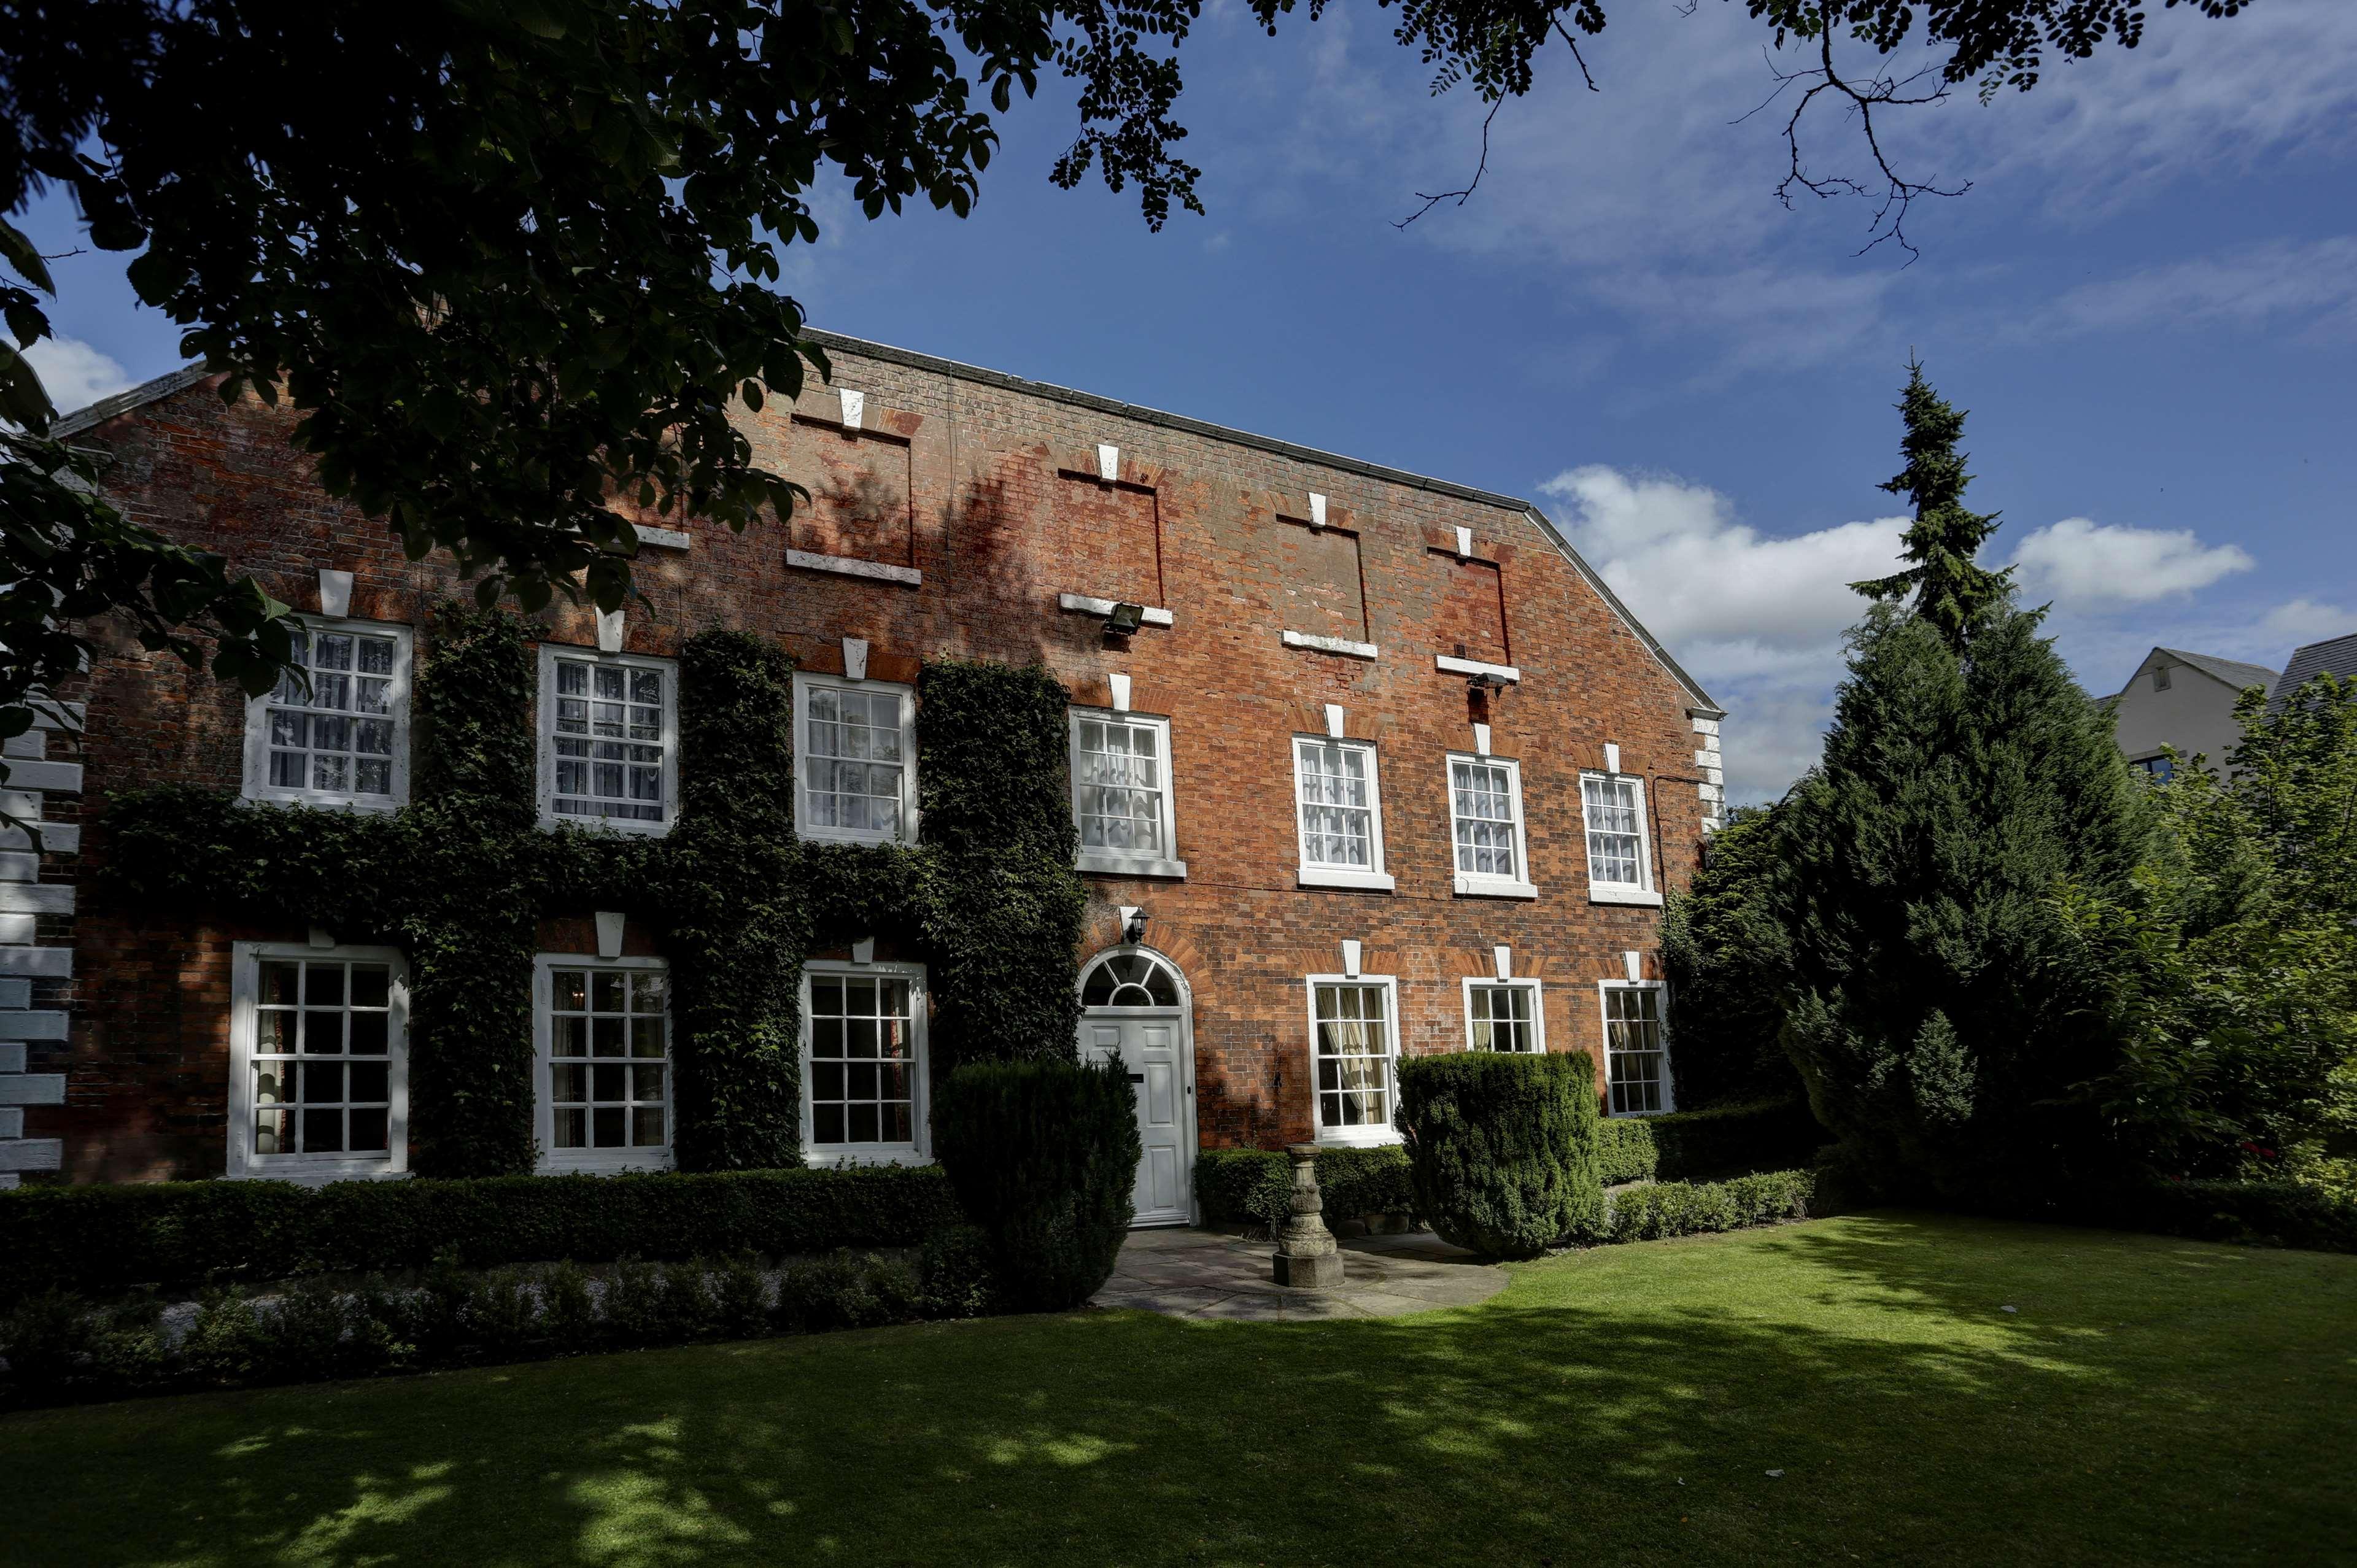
1503	1147
99	1240
1043	1155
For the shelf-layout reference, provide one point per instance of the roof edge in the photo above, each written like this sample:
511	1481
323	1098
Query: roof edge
107	408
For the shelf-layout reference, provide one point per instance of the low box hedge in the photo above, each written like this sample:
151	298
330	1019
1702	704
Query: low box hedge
96	1240
1251	1186
1658	1209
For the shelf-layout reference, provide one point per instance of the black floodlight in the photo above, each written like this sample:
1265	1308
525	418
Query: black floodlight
1125	619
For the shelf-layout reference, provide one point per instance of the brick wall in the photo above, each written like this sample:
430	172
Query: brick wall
966	506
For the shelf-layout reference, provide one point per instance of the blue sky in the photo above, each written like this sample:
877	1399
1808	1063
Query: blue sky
2147	300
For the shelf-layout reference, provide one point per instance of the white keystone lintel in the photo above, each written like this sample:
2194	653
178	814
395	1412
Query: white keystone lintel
32	1089
1449	666
32	1154
848	567
651	537
610	631
609	933
1351	948
1480	740
335	592
36	898
1502	958
45	963
855	407
1117	686
1342	645
28	774
1085	605
1317	509
42	1026
1108	462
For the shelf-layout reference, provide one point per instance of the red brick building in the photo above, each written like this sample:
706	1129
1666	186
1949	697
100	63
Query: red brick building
1384	767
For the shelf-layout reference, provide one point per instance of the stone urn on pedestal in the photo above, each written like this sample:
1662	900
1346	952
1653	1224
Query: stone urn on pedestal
1307	1257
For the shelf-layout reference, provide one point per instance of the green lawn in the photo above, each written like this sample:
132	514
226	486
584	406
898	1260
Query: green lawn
2150	1401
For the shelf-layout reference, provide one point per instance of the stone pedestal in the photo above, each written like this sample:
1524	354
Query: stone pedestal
1307	1257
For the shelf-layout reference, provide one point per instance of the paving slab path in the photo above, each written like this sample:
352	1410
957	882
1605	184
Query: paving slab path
1209	1275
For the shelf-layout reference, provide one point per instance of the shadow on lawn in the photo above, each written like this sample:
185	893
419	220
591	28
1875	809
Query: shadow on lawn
1557	1423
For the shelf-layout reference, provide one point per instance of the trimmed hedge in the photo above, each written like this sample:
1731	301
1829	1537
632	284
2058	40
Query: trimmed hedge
1502	1147
1044	1156
1733	1140
1250	1187
2281	1213
1658	1209
1625	1151
97	1240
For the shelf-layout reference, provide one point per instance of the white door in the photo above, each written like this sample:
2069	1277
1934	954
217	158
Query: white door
1150	1049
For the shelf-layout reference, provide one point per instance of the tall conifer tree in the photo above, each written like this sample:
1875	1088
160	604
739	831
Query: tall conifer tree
1965	778
1950	587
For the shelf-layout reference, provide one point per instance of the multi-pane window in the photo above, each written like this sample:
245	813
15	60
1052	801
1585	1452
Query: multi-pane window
1503	1016
1121	793
1353	1043
1616	831
332	730
863	1062
608	727
854	760
1636	1063
1485	810
1340	809
319	1048
606	1061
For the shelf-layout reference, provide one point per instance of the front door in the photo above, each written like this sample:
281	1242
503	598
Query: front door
1150	1047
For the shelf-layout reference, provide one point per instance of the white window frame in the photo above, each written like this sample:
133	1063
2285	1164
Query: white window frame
593	1161
1356	1137
257	785
1485	885
1115	862
1538	1010
550	652
1315	873
245	989
1643	890
918	1151
805	684
1604	1020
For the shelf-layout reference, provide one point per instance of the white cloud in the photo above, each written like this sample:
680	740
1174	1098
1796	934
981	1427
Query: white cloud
2309	287
1655	197
2084	562
1757	619
75	374
2301	621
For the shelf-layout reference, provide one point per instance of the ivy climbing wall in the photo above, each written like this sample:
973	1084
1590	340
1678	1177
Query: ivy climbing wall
461	879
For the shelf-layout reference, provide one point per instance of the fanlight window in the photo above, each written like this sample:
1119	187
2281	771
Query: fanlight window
1129	979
